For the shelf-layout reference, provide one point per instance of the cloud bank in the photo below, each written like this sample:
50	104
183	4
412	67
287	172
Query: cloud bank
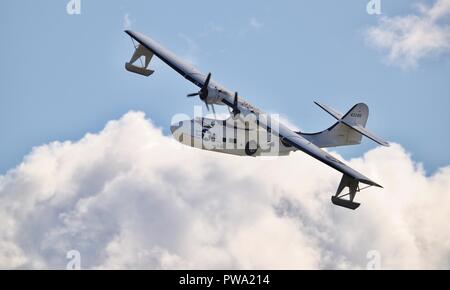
410	38
130	197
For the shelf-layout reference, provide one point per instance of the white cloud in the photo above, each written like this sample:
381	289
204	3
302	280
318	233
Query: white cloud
191	54
285	120
252	25
125	204
127	22
410	38
211	29
255	23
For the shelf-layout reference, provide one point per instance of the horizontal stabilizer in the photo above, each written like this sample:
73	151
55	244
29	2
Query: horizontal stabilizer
330	111
367	133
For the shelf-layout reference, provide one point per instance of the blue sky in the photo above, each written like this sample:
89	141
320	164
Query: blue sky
62	75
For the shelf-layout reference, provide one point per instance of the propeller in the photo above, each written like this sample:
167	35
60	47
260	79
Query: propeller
214	111
203	92
235	107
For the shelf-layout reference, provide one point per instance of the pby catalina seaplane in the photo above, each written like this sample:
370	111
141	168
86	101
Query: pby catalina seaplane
248	125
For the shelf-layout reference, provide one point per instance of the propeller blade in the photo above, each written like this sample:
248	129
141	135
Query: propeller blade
236	110
208	77
214	111
193	95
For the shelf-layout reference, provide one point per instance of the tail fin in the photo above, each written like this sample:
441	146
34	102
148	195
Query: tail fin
348	130
357	115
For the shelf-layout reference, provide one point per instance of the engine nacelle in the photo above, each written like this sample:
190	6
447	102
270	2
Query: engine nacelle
215	96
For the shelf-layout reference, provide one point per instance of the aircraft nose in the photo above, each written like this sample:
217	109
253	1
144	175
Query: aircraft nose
175	127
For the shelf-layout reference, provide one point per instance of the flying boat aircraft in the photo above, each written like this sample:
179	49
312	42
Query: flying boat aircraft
248	131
